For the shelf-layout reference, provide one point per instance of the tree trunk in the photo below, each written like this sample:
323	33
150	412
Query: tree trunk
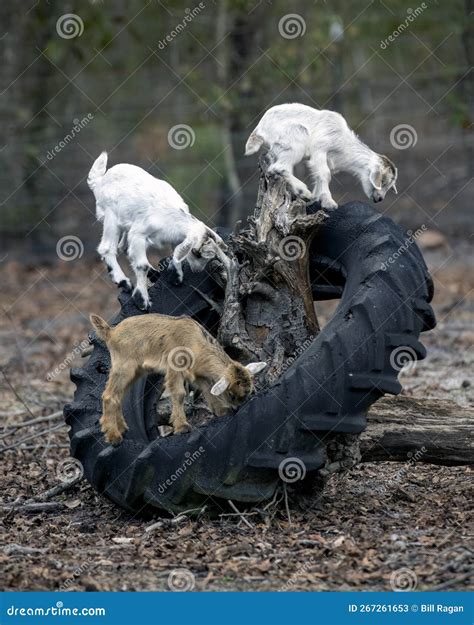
268	311
421	430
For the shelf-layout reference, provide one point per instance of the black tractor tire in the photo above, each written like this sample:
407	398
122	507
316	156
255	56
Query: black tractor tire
284	430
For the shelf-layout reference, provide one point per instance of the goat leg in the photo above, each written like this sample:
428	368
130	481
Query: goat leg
112	422
174	385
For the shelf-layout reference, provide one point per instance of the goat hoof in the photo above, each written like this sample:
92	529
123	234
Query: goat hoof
177	281
140	301
329	206
112	436
153	274
183	429
125	285
304	194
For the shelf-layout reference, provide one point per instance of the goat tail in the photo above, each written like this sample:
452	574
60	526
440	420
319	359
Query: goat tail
254	143
97	171
101	327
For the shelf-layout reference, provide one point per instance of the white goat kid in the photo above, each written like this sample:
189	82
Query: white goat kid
296	132
140	211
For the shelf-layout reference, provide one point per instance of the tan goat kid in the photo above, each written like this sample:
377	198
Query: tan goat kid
183	351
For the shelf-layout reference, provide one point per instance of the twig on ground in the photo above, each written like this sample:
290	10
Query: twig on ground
154	526
29	447
14	548
23	424
182	515
240	514
17	342
175	520
59	489
29	438
14	391
285	495
453	581
49	506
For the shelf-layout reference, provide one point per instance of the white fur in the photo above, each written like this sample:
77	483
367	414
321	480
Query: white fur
296	132
140	211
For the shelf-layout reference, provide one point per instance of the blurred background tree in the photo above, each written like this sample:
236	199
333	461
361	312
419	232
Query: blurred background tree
136	70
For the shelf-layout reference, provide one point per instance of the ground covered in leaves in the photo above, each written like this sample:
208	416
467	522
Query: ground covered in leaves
361	534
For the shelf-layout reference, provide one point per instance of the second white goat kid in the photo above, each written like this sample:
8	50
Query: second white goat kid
296	132
140	211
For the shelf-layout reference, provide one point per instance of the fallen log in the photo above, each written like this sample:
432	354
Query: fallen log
422	430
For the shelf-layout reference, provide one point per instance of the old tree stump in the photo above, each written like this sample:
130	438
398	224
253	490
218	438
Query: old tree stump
268	311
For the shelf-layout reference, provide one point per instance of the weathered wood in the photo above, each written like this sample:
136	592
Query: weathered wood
268	310
419	430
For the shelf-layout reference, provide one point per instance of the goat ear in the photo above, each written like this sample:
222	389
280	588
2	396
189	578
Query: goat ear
220	386
255	367
376	179
182	250
394	189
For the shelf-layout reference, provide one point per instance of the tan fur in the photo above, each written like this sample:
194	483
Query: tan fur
177	347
